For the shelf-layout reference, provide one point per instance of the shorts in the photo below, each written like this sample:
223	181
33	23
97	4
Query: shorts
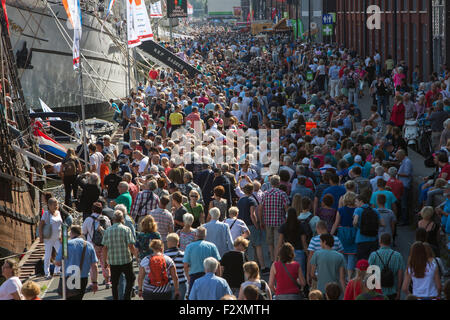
256	236
272	236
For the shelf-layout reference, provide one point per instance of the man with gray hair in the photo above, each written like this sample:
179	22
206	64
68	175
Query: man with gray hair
118	250
210	286
124	197
146	201
396	186
272	211
194	255
379	174
219	232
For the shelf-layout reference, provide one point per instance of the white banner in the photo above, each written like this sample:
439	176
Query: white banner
73	11
138	23
156	10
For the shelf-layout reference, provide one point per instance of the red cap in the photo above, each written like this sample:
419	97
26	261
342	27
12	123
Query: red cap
362	265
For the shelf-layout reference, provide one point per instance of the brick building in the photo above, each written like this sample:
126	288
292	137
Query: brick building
411	30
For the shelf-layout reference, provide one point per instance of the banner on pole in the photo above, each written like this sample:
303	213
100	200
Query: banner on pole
138	23
156	10
177	9
73	11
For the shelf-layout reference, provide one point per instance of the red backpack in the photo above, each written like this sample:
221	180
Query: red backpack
158	273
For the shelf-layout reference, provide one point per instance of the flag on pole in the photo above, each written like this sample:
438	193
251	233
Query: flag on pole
48	144
108	11
6	14
46	108
73	11
190	9
156	10
138	23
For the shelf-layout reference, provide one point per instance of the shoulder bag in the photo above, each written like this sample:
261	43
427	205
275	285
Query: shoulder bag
47	230
73	292
300	294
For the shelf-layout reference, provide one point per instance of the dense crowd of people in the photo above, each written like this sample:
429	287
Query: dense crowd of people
198	223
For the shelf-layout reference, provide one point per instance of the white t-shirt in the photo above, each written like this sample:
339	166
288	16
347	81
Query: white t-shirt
143	164
9	287
239	227
425	287
87	228
96	159
55	222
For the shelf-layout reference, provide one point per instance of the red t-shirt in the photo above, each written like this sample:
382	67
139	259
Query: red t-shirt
396	187
285	285
445	169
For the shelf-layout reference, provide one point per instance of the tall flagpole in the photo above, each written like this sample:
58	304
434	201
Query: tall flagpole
128	60
83	116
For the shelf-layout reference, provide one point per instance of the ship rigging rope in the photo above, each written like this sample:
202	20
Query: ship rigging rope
61	29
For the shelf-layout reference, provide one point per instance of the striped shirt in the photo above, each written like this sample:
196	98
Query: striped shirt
274	203
116	239
145	202
177	256
396	263
314	244
145	263
164	221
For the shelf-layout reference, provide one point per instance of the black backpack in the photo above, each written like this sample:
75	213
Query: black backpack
387	276
369	223
307	228
97	236
254	122
262	294
351	83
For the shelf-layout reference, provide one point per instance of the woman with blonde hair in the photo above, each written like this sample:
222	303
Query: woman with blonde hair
154	282
345	231
148	232
432	229
195	208
11	288
251	273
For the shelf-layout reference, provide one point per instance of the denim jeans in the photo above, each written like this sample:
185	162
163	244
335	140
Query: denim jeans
353	96
300	257
382	106
350	260
182	288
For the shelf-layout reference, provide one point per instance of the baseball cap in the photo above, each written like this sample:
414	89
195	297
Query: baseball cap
306	161
126	146
100	143
358	158
362	265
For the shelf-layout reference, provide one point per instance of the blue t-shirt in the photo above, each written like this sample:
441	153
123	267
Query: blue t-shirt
346	214
75	250
390	199
244	205
337	192
359	237
196	252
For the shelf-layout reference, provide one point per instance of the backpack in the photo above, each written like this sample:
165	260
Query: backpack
69	168
158	273
97	236
307	228
387	276
369	223
254	122
351	83
262	294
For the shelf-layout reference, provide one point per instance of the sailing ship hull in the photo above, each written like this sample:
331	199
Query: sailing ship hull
48	73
